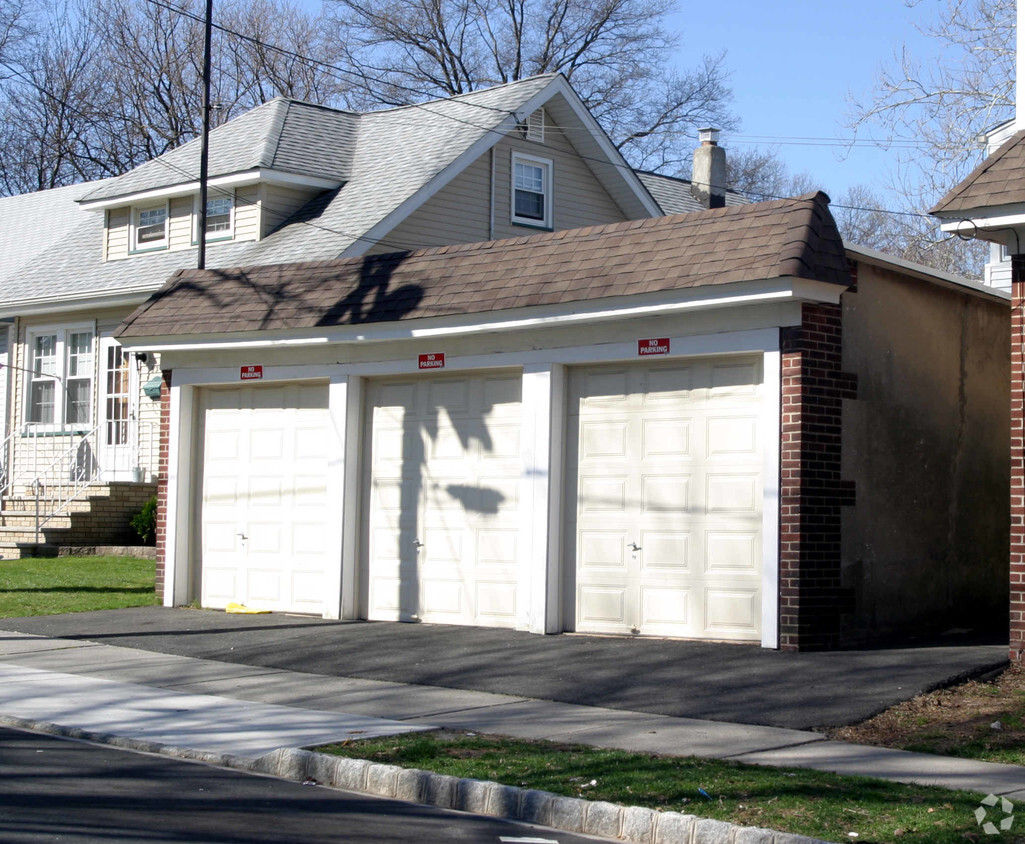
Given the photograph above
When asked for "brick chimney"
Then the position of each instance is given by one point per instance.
(708, 181)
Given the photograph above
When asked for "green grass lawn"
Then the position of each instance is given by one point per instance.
(74, 584)
(807, 802)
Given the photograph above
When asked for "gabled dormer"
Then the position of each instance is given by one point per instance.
(264, 166)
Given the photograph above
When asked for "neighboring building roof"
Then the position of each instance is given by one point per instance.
(674, 196)
(284, 135)
(998, 180)
(781, 239)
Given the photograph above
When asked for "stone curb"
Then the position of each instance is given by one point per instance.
(480, 797)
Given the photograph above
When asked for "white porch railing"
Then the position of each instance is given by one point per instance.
(31, 466)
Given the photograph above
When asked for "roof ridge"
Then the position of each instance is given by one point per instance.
(272, 141)
(983, 166)
(458, 98)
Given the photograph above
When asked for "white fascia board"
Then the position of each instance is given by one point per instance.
(598, 135)
(232, 180)
(1001, 216)
(924, 273)
(569, 313)
(60, 304)
(489, 137)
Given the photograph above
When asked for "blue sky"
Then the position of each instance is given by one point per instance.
(793, 64)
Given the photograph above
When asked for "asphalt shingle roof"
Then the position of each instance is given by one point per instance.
(784, 238)
(673, 195)
(282, 134)
(999, 180)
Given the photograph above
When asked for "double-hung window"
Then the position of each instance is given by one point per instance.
(532, 191)
(151, 227)
(60, 377)
(219, 218)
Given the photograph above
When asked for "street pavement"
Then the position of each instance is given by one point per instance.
(209, 704)
(77, 793)
(701, 680)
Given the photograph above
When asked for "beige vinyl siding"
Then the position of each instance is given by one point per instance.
(116, 234)
(578, 197)
(459, 213)
(179, 227)
(247, 213)
(278, 203)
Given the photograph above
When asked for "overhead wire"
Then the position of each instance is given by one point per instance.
(425, 107)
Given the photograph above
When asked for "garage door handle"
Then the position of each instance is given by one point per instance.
(635, 547)
(417, 544)
(242, 536)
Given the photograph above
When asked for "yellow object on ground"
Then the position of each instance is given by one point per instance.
(242, 609)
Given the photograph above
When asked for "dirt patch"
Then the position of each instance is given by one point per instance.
(981, 720)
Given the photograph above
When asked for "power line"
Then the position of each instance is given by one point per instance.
(423, 107)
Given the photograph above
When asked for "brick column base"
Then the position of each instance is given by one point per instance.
(162, 468)
(811, 490)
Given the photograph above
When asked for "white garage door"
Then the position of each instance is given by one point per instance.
(264, 515)
(442, 512)
(665, 534)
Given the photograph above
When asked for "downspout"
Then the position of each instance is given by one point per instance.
(491, 199)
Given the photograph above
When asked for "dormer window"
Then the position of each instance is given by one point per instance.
(151, 227)
(218, 216)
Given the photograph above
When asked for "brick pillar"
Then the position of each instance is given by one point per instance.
(811, 492)
(162, 470)
(1017, 573)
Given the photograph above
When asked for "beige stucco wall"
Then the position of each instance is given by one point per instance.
(926, 443)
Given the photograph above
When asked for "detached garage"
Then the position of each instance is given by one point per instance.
(691, 426)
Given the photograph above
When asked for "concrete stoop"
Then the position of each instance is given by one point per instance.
(634, 824)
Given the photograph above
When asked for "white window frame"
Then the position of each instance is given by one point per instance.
(213, 237)
(547, 168)
(137, 212)
(60, 395)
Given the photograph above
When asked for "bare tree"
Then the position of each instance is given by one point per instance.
(614, 52)
(761, 174)
(863, 220)
(104, 85)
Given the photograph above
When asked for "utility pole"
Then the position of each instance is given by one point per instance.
(204, 143)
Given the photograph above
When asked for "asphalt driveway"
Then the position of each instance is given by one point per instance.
(718, 682)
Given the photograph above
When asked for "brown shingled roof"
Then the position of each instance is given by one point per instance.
(999, 180)
(790, 237)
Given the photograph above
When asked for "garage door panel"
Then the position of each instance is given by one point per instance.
(734, 379)
(732, 612)
(603, 494)
(731, 436)
(265, 477)
(665, 550)
(733, 551)
(732, 493)
(454, 487)
(662, 494)
(665, 439)
(666, 608)
(497, 547)
(603, 549)
(673, 507)
(603, 606)
(665, 385)
(603, 439)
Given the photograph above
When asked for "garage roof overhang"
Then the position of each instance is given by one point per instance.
(739, 294)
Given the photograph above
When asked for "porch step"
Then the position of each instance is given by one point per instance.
(100, 518)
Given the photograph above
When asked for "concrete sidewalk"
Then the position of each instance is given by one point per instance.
(209, 705)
